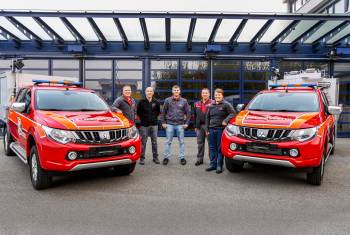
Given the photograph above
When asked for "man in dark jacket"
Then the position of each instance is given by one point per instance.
(200, 110)
(148, 110)
(175, 116)
(126, 103)
(218, 116)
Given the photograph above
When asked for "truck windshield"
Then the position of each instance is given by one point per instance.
(285, 102)
(68, 100)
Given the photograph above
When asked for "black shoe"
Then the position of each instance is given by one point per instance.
(156, 161)
(211, 168)
(219, 170)
(142, 162)
(183, 161)
(165, 161)
(198, 163)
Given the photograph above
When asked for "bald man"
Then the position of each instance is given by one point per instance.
(148, 110)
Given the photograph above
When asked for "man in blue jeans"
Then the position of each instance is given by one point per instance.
(217, 117)
(175, 116)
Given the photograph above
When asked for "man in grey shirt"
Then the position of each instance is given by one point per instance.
(175, 116)
(126, 104)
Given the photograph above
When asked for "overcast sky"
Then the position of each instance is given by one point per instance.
(149, 5)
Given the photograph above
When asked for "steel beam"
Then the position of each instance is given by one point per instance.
(339, 41)
(260, 33)
(8, 35)
(99, 34)
(190, 33)
(168, 33)
(52, 33)
(73, 30)
(331, 33)
(214, 31)
(144, 32)
(23, 29)
(121, 32)
(237, 33)
(198, 15)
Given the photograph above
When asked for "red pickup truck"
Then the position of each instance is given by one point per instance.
(60, 127)
(288, 125)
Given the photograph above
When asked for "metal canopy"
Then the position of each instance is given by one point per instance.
(181, 33)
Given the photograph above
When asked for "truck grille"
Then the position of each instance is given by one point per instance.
(265, 134)
(101, 137)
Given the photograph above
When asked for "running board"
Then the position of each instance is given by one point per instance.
(19, 151)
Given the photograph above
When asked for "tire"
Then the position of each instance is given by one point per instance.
(124, 169)
(40, 178)
(233, 165)
(316, 176)
(7, 141)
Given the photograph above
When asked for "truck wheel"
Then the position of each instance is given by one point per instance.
(233, 165)
(124, 169)
(7, 141)
(40, 178)
(316, 176)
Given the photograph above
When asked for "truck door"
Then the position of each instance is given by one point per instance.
(13, 116)
(24, 121)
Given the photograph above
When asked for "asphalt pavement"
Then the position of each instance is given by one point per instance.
(177, 199)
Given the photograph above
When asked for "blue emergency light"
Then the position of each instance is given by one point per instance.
(54, 82)
(294, 85)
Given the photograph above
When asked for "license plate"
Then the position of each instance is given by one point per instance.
(261, 146)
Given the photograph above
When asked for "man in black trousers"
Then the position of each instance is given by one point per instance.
(148, 111)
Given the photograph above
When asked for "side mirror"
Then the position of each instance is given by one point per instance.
(335, 110)
(240, 107)
(19, 107)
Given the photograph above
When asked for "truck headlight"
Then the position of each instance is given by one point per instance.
(232, 130)
(133, 133)
(304, 134)
(58, 135)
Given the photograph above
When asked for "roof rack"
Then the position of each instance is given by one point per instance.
(54, 82)
(314, 85)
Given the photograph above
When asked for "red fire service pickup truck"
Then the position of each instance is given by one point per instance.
(288, 125)
(60, 127)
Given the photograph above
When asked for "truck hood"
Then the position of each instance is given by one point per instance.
(94, 120)
(289, 120)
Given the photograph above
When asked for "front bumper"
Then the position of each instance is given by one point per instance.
(53, 155)
(310, 152)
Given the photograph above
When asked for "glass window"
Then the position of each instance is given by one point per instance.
(60, 28)
(226, 30)
(163, 64)
(179, 29)
(36, 67)
(256, 65)
(203, 30)
(10, 27)
(66, 68)
(250, 29)
(84, 28)
(302, 27)
(287, 66)
(327, 27)
(163, 77)
(339, 7)
(156, 29)
(5, 64)
(99, 80)
(227, 64)
(66, 73)
(30, 23)
(128, 64)
(276, 27)
(219, 75)
(108, 28)
(132, 29)
(257, 76)
(317, 65)
(344, 32)
(195, 64)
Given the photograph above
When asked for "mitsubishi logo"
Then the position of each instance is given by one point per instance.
(104, 135)
(261, 133)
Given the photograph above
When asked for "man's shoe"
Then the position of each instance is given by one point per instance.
(198, 163)
(211, 168)
(156, 161)
(219, 170)
(165, 161)
(142, 162)
(183, 161)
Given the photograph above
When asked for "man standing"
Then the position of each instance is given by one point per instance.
(200, 110)
(148, 111)
(126, 103)
(176, 116)
(218, 116)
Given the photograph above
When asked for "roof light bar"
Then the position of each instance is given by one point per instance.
(294, 85)
(54, 82)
